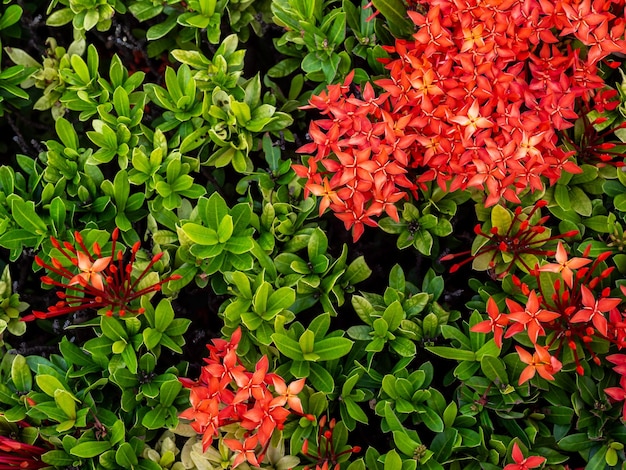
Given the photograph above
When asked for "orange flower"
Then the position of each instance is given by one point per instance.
(288, 394)
(564, 266)
(244, 452)
(90, 271)
(540, 361)
(325, 191)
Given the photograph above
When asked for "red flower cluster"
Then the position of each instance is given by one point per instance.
(475, 100)
(101, 282)
(570, 315)
(226, 393)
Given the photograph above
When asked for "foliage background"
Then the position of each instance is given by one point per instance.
(216, 145)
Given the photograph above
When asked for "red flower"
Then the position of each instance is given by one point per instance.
(618, 394)
(529, 317)
(522, 463)
(593, 310)
(496, 323)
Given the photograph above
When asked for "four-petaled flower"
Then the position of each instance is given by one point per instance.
(541, 362)
(244, 451)
(496, 323)
(472, 121)
(288, 394)
(91, 271)
(521, 462)
(529, 317)
(593, 310)
(564, 266)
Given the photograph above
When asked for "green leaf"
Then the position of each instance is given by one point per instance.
(320, 378)
(449, 414)
(364, 309)
(355, 411)
(393, 315)
(329, 349)
(60, 17)
(11, 15)
(112, 328)
(403, 346)
(452, 353)
(21, 374)
(393, 461)
(501, 218)
(580, 201)
(562, 196)
(169, 391)
(151, 338)
(66, 402)
(404, 443)
(67, 134)
(598, 461)
(58, 458)
(87, 450)
(431, 419)
(155, 418)
(57, 214)
(575, 442)
(130, 357)
(215, 210)
(443, 444)
(318, 243)
(307, 342)
(48, 384)
(121, 190)
(163, 315)
(200, 234)
(288, 346)
(494, 370)
(26, 217)
(125, 456)
(394, 12)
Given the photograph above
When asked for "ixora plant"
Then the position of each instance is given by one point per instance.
(180, 289)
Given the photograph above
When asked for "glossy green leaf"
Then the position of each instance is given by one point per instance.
(90, 449)
(452, 353)
(494, 369)
(48, 384)
(288, 346)
(501, 218)
(329, 349)
(21, 374)
(125, 456)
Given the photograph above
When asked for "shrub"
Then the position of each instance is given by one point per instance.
(176, 295)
